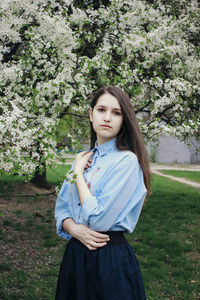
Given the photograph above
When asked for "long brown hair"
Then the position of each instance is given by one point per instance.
(129, 136)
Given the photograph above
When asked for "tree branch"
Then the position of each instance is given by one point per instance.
(76, 115)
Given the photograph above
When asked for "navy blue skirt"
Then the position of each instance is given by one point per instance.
(108, 273)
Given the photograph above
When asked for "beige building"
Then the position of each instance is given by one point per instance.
(168, 149)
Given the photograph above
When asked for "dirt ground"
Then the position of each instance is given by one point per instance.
(23, 216)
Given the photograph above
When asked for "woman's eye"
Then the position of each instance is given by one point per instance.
(101, 109)
(117, 113)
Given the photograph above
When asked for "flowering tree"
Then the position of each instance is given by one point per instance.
(54, 54)
(151, 53)
(37, 83)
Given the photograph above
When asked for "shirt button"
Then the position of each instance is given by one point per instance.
(79, 204)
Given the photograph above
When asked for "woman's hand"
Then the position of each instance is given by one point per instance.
(82, 162)
(88, 237)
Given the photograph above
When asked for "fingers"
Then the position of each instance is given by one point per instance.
(88, 153)
(90, 238)
(82, 161)
(97, 240)
(94, 246)
(85, 154)
(88, 163)
(90, 231)
(90, 247)
(100, 236)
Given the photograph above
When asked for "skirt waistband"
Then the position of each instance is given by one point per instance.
(116, 237)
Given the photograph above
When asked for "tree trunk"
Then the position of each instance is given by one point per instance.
(40, 178)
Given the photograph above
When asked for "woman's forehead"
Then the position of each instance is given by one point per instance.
(108, 100)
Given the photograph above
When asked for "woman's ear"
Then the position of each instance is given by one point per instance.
(91, 110)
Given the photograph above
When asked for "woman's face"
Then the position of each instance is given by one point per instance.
(106, 118)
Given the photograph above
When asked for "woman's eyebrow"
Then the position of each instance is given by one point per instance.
(104, 106)
(117, 109)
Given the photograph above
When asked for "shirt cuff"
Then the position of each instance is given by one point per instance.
(59, 226)
(89, 204)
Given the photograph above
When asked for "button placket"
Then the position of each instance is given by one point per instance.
(94, 159)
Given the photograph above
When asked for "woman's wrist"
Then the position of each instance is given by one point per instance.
(68, 226)
(79, 175)
(78, 172)
(74, 230)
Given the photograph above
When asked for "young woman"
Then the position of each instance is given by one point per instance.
(104, 203)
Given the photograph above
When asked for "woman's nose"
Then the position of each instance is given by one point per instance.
(107, 116)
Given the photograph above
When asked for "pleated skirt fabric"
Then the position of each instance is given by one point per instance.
(108, 273)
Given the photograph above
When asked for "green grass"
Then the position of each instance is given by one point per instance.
(191, 175)
(165, 241)
(54, 176)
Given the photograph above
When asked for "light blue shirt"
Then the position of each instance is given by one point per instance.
(115, 180)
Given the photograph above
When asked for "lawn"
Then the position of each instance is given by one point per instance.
(194, 176)
(54, 176)
(165, 241)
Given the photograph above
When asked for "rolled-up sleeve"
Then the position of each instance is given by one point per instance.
(62, 211)
(120, 192)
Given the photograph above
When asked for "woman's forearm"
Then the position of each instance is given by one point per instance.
(69, 226)
(82, 162)
(82, 188)
(88, 237)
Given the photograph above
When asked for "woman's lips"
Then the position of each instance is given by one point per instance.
(106, 126)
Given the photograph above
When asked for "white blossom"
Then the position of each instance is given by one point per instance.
(143, 49)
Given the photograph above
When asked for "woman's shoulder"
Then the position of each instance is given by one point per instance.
(125, 156)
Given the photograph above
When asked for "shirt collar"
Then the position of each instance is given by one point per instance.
(106, 147)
